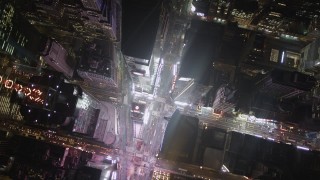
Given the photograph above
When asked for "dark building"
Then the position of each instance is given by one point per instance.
(210, 148)
(216, 11)
(48, 100)
(211, 57)
(255, 157)
(194, 80)
(265, 53)
(84, 19)
(141, 20)
(310, 58)
(180, 138)
(283, 53)
(231, 54)
(35, 158)
(274, 80)
(246, 155)
(97, 65)
(276, 95)
(88, 173)
(201, 7)
(19, 38)
(223, 76)
(75, 28)
(140, 23)
(5, 151)
(202, 42)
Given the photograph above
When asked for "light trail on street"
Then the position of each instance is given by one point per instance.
(50, 136)
(246, 127)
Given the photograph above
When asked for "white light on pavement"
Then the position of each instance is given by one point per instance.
(303, 148)
(193, 9)
(271, 139)
(181, 103)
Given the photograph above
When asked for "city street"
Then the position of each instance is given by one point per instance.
(192, 171)
(268, 130)
(57, 138)
(128, 94)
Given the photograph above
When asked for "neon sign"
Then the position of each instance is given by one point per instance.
(33, 94)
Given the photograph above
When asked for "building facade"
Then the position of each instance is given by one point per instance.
(17, 39)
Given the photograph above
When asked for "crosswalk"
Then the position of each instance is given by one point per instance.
(5, 108)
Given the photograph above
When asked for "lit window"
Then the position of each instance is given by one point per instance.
(274, 55)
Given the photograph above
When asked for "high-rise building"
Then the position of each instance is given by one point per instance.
(214, 11)
(75, 27)
(202, 41)
(47, 100)
(244, 12)
(185, 129)
(219, 65)
(269, 52)
(310, 65)
(17, 38)
(310, 58)
(193, 149)
(56, 57)
(280, 88)
(89, 18)
(97, 65)
(42, 159)
(95, 119)
(200, 51)
(139, 37)
(265, 58)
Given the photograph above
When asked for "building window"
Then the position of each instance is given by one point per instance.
(292, 59)
(274, 56)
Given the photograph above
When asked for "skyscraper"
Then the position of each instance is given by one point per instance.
(17, 38)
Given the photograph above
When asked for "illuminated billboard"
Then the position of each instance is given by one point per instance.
(137, 111)
(33, 94)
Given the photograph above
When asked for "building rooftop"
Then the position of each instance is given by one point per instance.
(140, 26)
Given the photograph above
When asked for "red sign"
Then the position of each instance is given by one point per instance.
(32, 93)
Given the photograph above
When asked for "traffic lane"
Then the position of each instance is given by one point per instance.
(266, 125)
(238, 126)
(173, 167)
(54, 138)
(233, 122)
(260, 128)
(158, 142)
(152, 139)
(256, 130)
(154, 136)
(153, 123)
(129, 124)
(149, 130)
(166, 81)
(123, 116)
